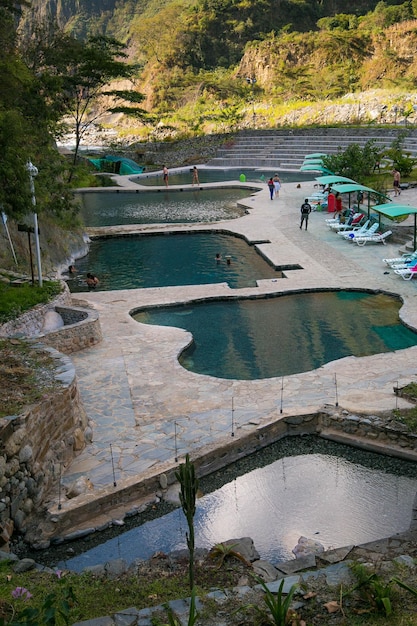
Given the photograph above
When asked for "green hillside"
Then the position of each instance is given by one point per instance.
(192, 57)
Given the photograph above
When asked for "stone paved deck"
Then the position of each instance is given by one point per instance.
(139, 397)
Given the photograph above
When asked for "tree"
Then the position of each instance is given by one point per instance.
(401, 160)
(354, 162)
(17, 134)
(74, 77)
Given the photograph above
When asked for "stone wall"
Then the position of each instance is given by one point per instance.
(31, 322)
(369, 432)
(81, 330)
(35, 445)
(58, 324)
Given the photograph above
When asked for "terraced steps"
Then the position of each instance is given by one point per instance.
(287, 149)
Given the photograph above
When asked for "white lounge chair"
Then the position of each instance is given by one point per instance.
(367, 232)
(362, 229)
(407, 274)
(349, 225)
(403, 266)
(404, 258)
(376, 238)
(336, 220)
(358, 230)
(331, 220)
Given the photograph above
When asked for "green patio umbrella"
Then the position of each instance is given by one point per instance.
(315, 155)
(315, 168)
(355, 187)
(329, 180)
(393, 210)
(312, 162)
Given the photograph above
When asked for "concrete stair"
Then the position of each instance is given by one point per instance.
(287, 149)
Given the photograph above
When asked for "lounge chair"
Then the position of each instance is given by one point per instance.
(363, 232)
(356, 222)
(375, 238)
(403, 266)
(404, 258)
(407, 274)
(355, 229)
(336, 220)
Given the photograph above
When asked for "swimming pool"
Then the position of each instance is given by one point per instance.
(207, 175)
(249, 339)
(331, 493)
(171, 259)
(109, 208)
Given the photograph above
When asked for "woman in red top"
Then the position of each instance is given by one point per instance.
(338, 205)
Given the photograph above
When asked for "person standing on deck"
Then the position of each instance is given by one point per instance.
(277, 185)
(165, 175)
(271, 187)
(305, 212)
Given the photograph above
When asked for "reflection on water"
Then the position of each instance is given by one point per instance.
(319, 496)
(285, 335)
(177, 259)
(171, 206)
(207, 175)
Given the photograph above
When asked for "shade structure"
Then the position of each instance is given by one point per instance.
(352, 187)
(312, 162)
(393, 210)
(315, 155)
(315, 168)
(329, 180)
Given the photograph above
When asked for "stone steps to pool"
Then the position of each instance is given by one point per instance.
(280, 150)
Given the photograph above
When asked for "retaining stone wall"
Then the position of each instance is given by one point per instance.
(81, 326)
(33, 446)
(370, 433)
(81, 330)
(31, 322)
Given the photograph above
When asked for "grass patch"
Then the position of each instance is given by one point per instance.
(411, 390)
(16, 300)
(152, 584)
(26, 375)
(160, 580)
(408, 417)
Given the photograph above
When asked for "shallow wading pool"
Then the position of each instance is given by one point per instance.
(309, 487)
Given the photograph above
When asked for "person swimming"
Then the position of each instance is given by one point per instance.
(92, 281)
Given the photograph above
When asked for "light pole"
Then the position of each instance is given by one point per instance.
(33, 171)
(251, 80)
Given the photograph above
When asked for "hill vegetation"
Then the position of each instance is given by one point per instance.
(192, 58)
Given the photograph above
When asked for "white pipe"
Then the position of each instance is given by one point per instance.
(6, 228)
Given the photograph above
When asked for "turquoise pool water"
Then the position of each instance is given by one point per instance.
(185, 176)
(151, 207)
(278, 336)
(171, 259)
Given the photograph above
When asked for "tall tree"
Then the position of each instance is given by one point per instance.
(75, 78)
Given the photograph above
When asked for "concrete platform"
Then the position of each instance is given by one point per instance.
(147, 410)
